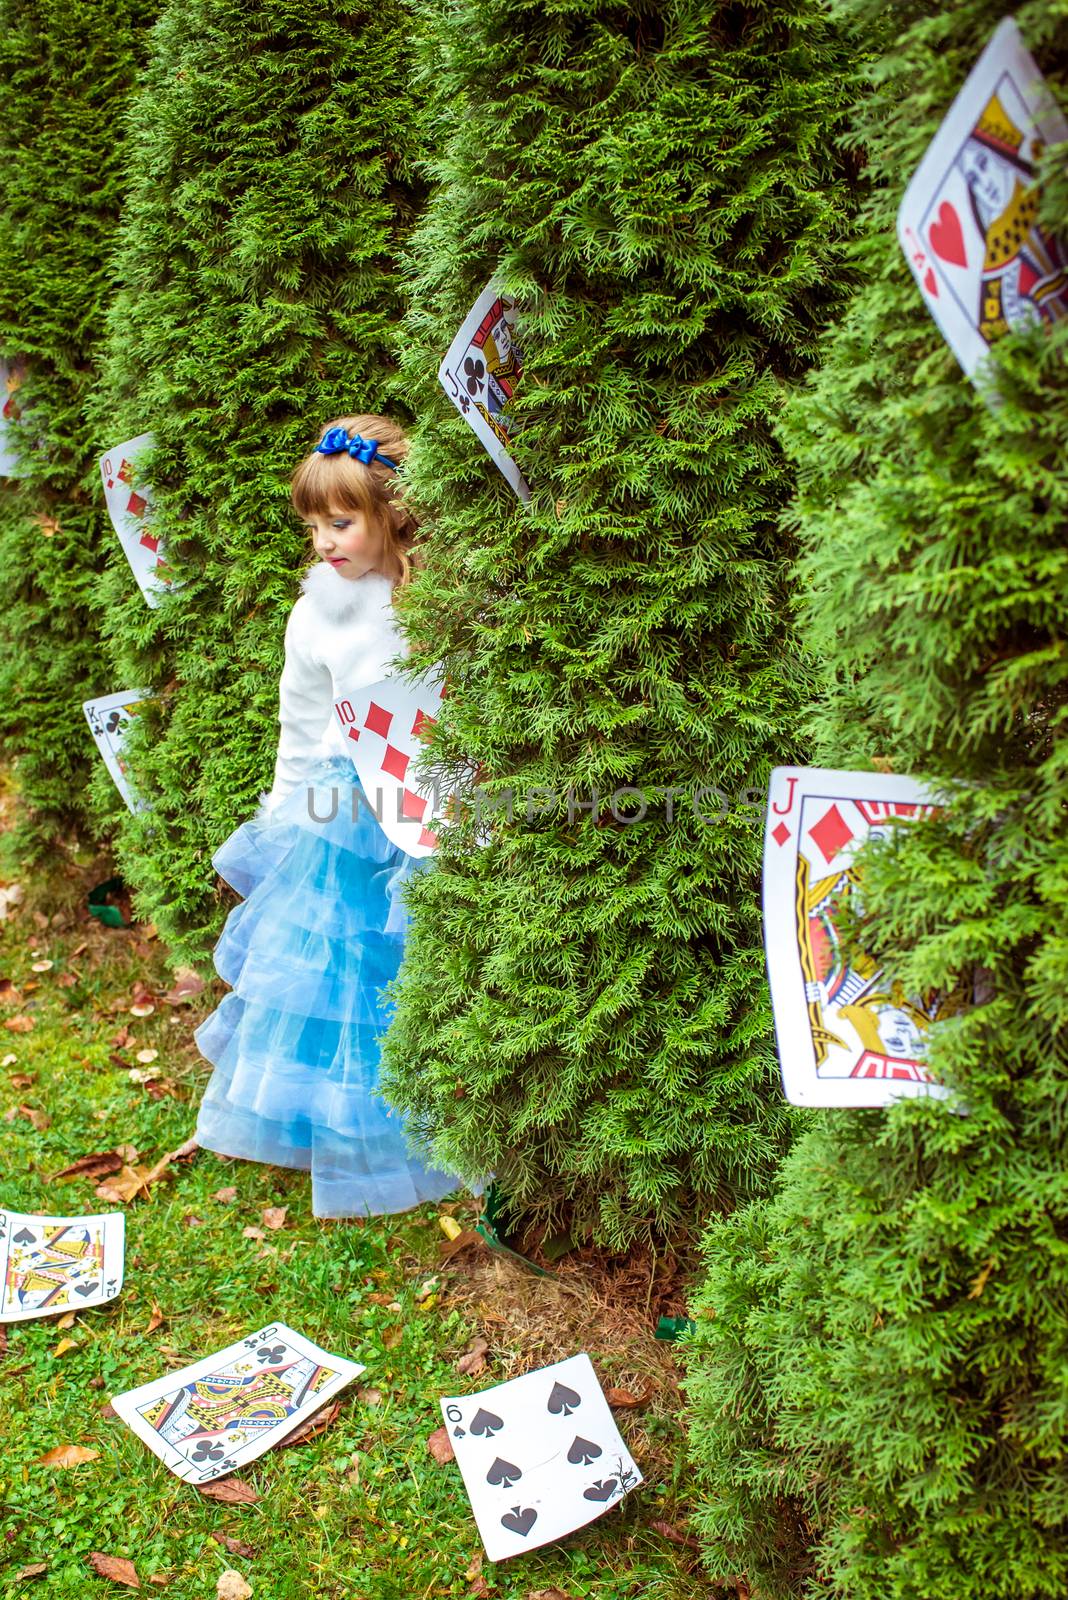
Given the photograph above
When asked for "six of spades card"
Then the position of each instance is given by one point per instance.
(540, 1456)
(56, 1264)
(968, 223)
(847, 1035)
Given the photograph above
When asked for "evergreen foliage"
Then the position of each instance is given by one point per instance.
(64, 75)
(271, 190)
(878, 1380)
(583, 1006)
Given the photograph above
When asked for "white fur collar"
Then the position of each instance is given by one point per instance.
(338, 598)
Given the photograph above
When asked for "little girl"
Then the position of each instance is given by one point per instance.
(295, 1045)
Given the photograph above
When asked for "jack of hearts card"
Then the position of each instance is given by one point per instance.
(208, 1419)
(847, 1035)
(49, 1265)
(968, 223)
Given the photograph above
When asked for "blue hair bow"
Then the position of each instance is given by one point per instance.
(335, 440)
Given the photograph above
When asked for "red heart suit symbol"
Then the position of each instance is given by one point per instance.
(947, 237)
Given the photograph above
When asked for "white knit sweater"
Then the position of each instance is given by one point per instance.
(342, 633)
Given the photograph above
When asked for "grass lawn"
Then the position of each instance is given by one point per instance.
(362, 1510)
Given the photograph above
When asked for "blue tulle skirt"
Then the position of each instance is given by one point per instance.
(296, 1044)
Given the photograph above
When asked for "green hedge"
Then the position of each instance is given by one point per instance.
(878, 1381)
(271, 189)
(65, 74)
(583, 1006)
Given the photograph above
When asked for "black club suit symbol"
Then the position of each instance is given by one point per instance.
(208, 1451)
(474, 374)
(271, 1353)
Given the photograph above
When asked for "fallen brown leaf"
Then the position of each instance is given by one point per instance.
(23, 1080)
(155, 1318)
(236, 1547)
(37, 1569)
(224, 1196)
(478, 1584)
(187, 986)
(231, 1491)
(67, 980)
(547, 1594)
(122, 1039)
(253, 1233)
(95, 1166)
(67, 1455)
(677, 1535)
(317, 1423)
(64, 1345)
(66, 1321)
(463, 1240)
(130, 1182)
(232, 1586)
(473, 1361)
(274, 1216)
(369, 1397)
(19, 1024)
(117, 1569)
(39, 1119)
(440, 1446)
(160, 1579)
(392, 1336)
(623, 1400)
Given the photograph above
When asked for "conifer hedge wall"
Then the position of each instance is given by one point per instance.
(583, 1006)
(270, 193)
(65, 75)
(879, 1378)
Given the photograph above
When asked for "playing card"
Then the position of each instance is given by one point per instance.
(540, 1456)
(108, 719)
(479, 374)
(11, 375)
(382, 723)
(129, 502)
(847, 1034)
(968, 222)
(219, 1414)
(55, 1264)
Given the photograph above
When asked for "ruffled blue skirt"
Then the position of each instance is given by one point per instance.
(296, 1044)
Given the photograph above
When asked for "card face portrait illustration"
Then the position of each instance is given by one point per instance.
(968, 223)
(56, 1264)
(846, 1033)
(540, 1456)
(209, 1419)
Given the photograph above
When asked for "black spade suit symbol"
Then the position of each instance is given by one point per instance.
(519, 1521)
(602, 1490)
(503, 1473)
(582, 1452)
(563, 1400)
(484, 1422)
(85, 1288)
(25, 1236)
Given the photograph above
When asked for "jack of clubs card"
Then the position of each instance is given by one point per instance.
(480, 373)
(847, 1035)
(208, 1419)
(57, 1264)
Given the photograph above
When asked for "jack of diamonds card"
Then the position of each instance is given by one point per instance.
(540, 1456)
(383, 726)
(108, 718)
(847, 1035)
(210, 1418)
(480, 373)
(968, 223)
(54, 1264)
(129, 503)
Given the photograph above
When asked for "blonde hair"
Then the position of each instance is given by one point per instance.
(323, 483)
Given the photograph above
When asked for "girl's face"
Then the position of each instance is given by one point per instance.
(349, 540)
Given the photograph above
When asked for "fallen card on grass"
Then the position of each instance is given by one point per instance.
(383, 723)
(480, 373)
(108, 718)
(540, 1456)
(208, 1419)
(56, 1264)
(968, 223)
(129, 503)
(847, 1035)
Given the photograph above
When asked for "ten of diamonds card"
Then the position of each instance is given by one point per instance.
(968, 223)
(56, 1264)
(847, 1035)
